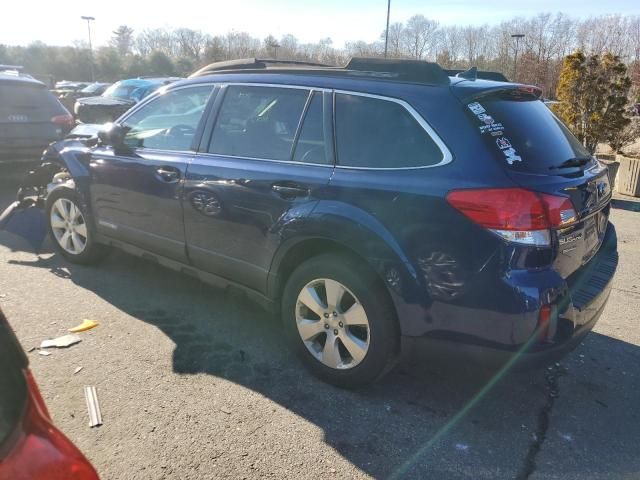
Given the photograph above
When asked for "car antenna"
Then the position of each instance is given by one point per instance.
(471, 74)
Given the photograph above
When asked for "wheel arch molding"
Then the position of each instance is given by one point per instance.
(345, 229)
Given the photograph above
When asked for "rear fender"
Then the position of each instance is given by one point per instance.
(356, 231)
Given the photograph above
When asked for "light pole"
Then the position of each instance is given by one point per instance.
(386, 34)
(275, 46)
(89, 20)
(517, 36)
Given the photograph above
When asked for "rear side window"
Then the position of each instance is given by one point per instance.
(524, 134)
(258, 122)
(27, 103)
(377, 133)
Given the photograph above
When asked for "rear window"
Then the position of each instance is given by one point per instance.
(27, 103)
(377, 133)
(524, 134)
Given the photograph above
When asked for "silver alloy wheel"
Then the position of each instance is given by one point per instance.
(332, 324)
(68, 226)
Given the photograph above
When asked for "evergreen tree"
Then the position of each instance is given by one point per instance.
(593, 93)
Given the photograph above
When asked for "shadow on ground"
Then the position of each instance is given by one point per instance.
(424, 418)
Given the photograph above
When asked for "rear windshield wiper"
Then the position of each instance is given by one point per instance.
(572, 162)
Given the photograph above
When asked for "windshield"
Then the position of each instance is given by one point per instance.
(525, 134)
(127, 92)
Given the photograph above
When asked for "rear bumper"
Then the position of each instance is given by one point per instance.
(582, 300)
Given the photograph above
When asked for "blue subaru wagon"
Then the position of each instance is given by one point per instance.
(371, 206)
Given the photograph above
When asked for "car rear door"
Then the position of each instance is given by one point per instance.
(136, 194)
(265, 159)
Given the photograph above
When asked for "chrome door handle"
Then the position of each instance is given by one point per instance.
(290, 191)
(168, 174)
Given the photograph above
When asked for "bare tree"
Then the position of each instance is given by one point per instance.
(190, 43)
(418, 36)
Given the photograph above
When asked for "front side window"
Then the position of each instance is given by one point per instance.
(168, 122)
(258, 122)
(377, 133)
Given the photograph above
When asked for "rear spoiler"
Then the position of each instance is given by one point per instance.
(517, 91)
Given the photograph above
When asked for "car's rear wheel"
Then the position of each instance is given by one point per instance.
(340, 320)
(71, 229)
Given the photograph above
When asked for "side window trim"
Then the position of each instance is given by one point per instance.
(328, 127)
(296, 135)
(447, 157)
(197, 137)
(212, 118)
(201, 123)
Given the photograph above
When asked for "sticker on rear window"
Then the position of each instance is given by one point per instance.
(512, 156)
(489, 124)
(503, 143)
(487, 119)
(496, 129)
(476, 108)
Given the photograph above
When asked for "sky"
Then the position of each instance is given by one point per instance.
(59, 23)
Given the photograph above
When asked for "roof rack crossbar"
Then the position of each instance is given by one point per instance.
(417, 71)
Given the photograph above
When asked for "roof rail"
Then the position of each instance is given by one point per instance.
(251, 63)
(415, 71)
(407, 70)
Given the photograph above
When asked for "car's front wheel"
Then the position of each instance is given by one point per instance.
(70, 228)
(340, 320)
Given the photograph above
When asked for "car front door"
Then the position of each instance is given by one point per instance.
(136, 193)
(265, 161)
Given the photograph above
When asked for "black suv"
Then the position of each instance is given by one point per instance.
(370, 204)
(31, 117)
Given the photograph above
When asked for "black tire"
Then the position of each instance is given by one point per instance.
(384, 338)
(93, 251)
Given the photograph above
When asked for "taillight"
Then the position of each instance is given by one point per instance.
(547, 324)
(40, 451)
(65, 120)
(515, 214)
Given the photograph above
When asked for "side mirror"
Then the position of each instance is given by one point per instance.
(113, 134)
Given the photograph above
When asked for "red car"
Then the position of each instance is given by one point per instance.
(31, 447)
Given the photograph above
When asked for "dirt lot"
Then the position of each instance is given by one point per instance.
(196, 384)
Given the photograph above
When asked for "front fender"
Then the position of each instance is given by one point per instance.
(73, 154)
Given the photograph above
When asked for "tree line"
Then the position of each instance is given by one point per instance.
(548, 39)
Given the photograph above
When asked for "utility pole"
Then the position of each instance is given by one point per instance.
(89, 20)
(386, 35)
(517, 36)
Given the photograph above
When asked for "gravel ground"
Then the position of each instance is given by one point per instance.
(195, 383)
